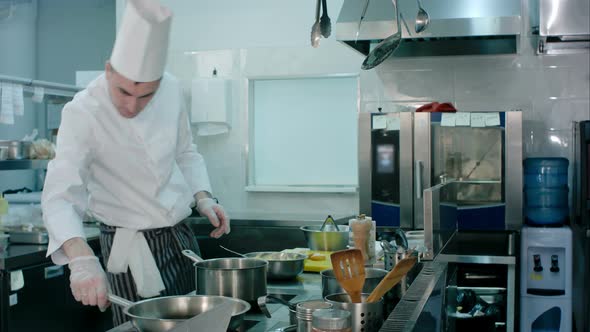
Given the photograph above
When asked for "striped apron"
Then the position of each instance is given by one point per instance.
(166, 245)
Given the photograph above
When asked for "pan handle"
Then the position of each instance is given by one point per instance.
(119, 300)
(192, 256)
(262, 305)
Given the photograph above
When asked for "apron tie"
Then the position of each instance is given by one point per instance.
(130, 250)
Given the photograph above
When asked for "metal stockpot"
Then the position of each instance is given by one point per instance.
(164, 313)
(242, 278)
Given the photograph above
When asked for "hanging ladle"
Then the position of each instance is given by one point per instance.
(422, 19)
(385, 48)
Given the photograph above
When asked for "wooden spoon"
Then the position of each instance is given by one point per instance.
(394, 276)
(349, 270)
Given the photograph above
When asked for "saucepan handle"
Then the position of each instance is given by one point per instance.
(119, 300)
(192, 256)
(262, 305)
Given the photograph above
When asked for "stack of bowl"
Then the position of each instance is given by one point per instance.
(546, 191)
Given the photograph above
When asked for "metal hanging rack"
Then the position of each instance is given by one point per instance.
(54, 93)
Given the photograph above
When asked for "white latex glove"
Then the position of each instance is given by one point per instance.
(88, 281)
(216, 215)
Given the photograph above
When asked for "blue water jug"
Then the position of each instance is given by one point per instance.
(545, 172)
(546, 191)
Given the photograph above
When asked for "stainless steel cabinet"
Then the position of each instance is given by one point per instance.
(45, 302)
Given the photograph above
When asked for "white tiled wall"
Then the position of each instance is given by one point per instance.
(551, 90)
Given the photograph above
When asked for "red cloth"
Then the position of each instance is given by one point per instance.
(437, 107)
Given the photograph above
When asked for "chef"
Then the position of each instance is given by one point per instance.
(125, 157)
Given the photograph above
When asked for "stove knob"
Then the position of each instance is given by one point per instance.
(554, 264)
(537, 262)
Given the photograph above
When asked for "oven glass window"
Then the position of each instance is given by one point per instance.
(385, 159)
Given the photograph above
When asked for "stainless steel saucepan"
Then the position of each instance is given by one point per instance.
(164, 313)
(242, 278)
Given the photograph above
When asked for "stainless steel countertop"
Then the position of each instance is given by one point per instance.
(307, 286)
(480, 247)
(18, 255)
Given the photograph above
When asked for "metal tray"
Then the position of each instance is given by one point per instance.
(35, 237)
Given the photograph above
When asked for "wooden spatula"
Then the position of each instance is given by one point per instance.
(394, 276)
(349, 270)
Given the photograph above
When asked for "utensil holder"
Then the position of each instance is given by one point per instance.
(366, 317)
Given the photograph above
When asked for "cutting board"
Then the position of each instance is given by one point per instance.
(314, 265)
(311, 265)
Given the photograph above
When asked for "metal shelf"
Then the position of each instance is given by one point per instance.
(54, 92)
(8, 165)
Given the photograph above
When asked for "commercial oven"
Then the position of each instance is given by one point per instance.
(401, 154)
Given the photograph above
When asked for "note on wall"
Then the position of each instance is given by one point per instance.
(379, 121)
(18, 100)
(492, 119)
(392, 123)
(6, 106)
(462, 119)
(478, 120)
(448, 120)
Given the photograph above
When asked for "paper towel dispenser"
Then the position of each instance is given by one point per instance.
(457, 27)
(210, 106)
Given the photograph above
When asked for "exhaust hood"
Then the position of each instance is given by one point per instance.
(457, 27)
(564, 26)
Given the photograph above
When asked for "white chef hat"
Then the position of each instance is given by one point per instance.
(141, 47)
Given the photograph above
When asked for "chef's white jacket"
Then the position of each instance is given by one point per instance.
(137, 173)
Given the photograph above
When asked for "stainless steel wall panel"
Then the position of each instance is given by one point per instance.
(364, 163)
(513, 182)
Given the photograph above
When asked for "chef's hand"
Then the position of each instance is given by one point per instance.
(216, 215)
(88, 281)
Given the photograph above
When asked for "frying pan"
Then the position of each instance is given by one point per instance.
(164, 313)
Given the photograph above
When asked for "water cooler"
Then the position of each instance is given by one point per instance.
(546, 279)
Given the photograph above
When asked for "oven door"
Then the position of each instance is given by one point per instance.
(385, 168)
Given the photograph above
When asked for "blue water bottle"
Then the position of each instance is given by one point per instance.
(546, 191)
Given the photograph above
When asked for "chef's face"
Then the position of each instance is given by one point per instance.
(129, 97)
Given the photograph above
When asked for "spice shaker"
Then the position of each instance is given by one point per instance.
(331, 320)
(305, 312)
(362, 234)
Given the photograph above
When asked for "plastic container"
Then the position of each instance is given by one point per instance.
(545, 172)
(363, 227)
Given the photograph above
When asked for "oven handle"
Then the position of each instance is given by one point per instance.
(418, 175)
